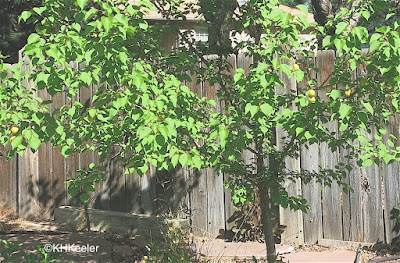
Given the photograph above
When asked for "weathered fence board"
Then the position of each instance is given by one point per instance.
(36, 181)
(391, 183)
(58, 162)
(293, 220)
(372, 202)
(8, 180)
(198, 193)
(309, 161)
(45, 171)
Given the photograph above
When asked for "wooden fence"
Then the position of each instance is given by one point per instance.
(34, 183)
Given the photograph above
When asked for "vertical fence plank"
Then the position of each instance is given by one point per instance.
(309, 161)
(331, 196)
(85, 97)
(27, 169)
(45, 172)
(351, 202)
(58, 162)
(8, 179)
(293, 220)
(312, 220)
(132, 188)
(198, 184)
(239, 61)
(28, 184)
(86, 158)
(244, 62)
(99, 187)
(72, 163)
(148, 191)
(117, 177)
(391, 182)
(215, 183)
(372, 201)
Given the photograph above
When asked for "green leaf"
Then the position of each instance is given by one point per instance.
(299, 75)
(89, 14)
(343, 126)
(344, 110)
(143, 25)
(367, 162)
(196, 162)
(73, 190)
(160, 140)
(302, 8)
(326, 42)
(360, 32)
(390, 143)
(375, 42)
(33, 38)
(339, 43)
(183, 159)
(143, 132)
(299, 130)
(368, 107)
(253, 109)
(86, 77)
(382, 131)
(24, 16)
(223, 133)
(84, 197)
(34, 143)
(39, 10)
(267, 109)
(107, 23)
(340, 27)
(366, 14)
(335, 94)
(175, 160)
(16, 142)
(82, 3)
(143, 169)
(388, 158)
(66, 151)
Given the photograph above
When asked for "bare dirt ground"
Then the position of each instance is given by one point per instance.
(35, 231)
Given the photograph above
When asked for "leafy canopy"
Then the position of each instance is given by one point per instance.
(141, 105)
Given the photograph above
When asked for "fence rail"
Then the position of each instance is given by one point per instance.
(34, 183)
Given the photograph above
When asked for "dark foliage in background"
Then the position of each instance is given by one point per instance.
(13, 35)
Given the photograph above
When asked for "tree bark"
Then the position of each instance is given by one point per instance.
(266, 204)
(322, 9)
(266, 217)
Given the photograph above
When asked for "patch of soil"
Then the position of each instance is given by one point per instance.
(35, 232)
(379, 251)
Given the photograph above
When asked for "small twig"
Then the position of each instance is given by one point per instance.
(252, 150)
(359, 250)
(384, 259)
(118, 153)
(244, 220)
(87, 217)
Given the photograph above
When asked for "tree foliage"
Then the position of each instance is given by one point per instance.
(142, 107)
(13, 35)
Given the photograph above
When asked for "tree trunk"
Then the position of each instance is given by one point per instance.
(267, 224)
(266, 204)
(322, 9)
